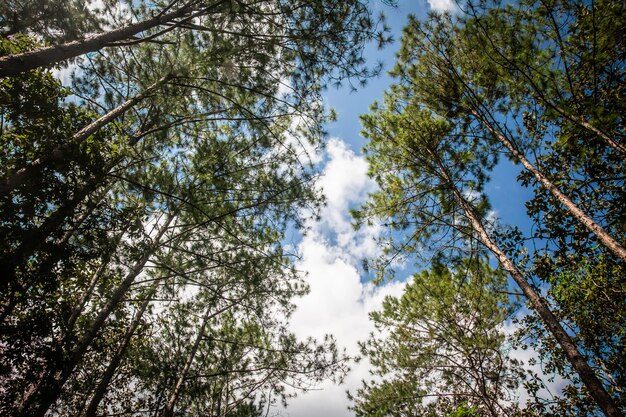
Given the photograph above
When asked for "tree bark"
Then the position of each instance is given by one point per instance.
(540, 93)
(33, 242)
(580, 121)
(602, 235)
(12, 65)
(168, 411)
(82, 301)
(45, 392)
(86, 212)
(58, 154)
(103, 385)
(580, 365)
(38, 237)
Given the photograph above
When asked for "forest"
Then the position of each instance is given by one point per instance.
(159, 158)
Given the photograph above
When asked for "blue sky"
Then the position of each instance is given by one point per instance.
(506, 195)
(349, 105)
(341, 296)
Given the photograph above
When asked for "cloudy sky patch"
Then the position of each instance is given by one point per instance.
(339, 301)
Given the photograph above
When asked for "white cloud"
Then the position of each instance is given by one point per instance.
(552, 387)
(64, 74)
(338, 302)
(112, 15)
(69, 68)
(443, 5)
(346, 184)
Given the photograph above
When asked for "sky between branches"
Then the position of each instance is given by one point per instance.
(341, 295)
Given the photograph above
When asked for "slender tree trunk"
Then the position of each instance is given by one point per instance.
(44, 393)
(54, 221)
(33, 242)
(82, 301)
(602, 235)
(59, 153)
(38, 237)
(103, 385)
(12, 65)
(168, 411)
(84, 215)
(580, 121)
(541, 94)
(580, 365)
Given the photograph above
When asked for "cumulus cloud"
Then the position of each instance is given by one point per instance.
(64, 74)
(346, 184)
(442, 5)
(339, 301)
(553, 385)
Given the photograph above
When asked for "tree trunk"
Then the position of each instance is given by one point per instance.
(12, 65)
(34, 240)
(168, 411)
(541, 94)
(32, 243)
(580, 121)
(84, 215)
(59, 153)
(103, 385)
(82, 301)
(602, 235)
(580, 365)
(44, 393)
(38, 237)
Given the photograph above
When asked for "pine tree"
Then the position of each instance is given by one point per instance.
(439, 348)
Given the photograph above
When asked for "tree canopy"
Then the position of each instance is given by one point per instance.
(144, 205)
(439, 349)
(534, 93)
(156, 154)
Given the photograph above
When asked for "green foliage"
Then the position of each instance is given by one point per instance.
(42, 270)
(541, 83)
(568, 85)
(52, 20)
(440, 350)
(464, 410)
(147, 268)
